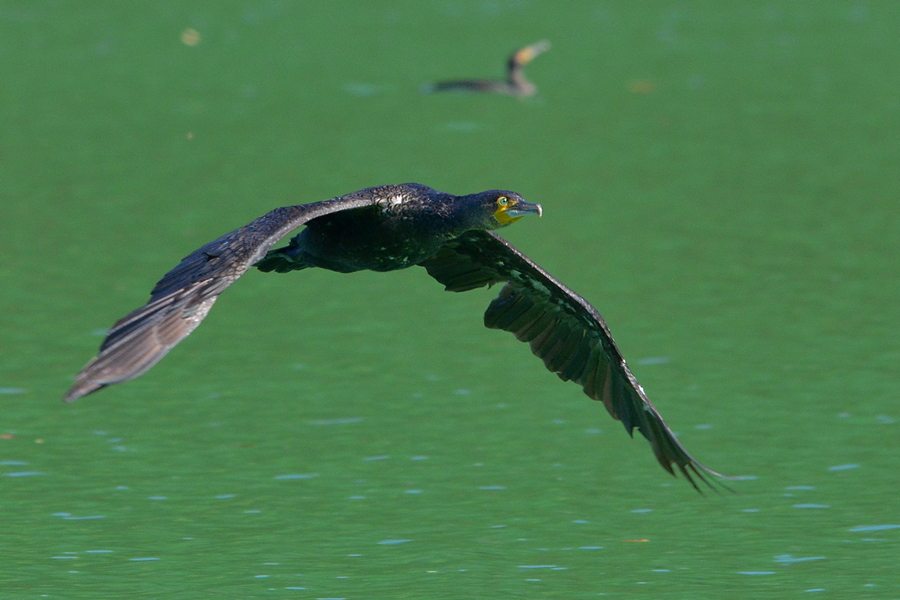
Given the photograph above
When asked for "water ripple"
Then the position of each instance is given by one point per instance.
(392, 542)
(788, 559)
(873, 528)
(846, 467)
(343, 421)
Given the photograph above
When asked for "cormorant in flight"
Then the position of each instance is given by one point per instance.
(515, 83)
(384, 229)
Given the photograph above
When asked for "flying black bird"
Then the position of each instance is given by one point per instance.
(384, 229)
(515, 83)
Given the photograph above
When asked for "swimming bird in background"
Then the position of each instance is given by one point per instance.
(515, 83)
(384, 229)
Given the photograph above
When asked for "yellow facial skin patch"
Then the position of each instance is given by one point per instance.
(503, 204)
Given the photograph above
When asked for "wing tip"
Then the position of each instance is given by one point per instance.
(692, 470)
(82, 388)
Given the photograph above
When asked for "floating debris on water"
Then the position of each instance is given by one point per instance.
(379, 457)
(13, 463)
(297, 476)
(756, 572)
(642, 510)
(23, 474)
(492, 487)
(225, 496)
(190, 37)
(143, 559)
(812, 506)
(12, 390)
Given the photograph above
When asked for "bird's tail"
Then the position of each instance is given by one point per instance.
(282, 260)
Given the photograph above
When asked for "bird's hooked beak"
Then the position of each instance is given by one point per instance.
(513, 211)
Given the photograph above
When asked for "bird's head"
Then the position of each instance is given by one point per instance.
(525, 55)
(499, 208)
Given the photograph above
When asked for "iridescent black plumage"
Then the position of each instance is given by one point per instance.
(388, 228)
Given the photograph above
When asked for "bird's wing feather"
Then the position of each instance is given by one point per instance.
(184, 296)
(563, 329)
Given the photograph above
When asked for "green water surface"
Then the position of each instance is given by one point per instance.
(719, 179)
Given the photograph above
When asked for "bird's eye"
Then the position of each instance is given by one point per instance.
(502, 201)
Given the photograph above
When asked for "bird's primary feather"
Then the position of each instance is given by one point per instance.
(563, 329)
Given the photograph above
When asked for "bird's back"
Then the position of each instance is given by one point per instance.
(404, 225)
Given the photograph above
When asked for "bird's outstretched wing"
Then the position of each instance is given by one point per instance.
(183, 297)
(564, 330)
